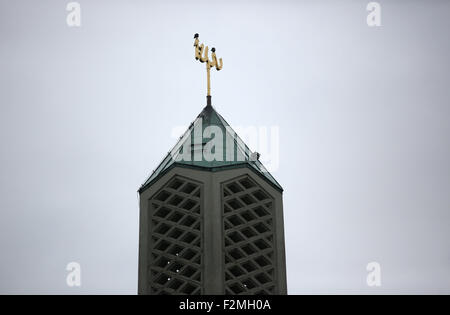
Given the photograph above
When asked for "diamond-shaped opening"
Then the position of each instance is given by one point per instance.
(162, 196)
(247, 183)
(175, 217)
(188, 188)
(260, 211)
(162, 245)
(236, 288)
(197, 193)
(188, 205)
(227, 225)
(260, 195)
(175, 267)
(226, 193)
(262, 278)
(162, 262)
(189, 237)
(197, 259)
(236, 254)
(235, 220)
(249, 266)
(175, 250)
(175, 284)
(248, 232)
(162, 279)
(188, 254)
(234, 204)
(196, 209)
(162, 228)
(162, 212)
(249, 283)
(262, 261)
(227, 208)
(247, 215)
(197, 226)
(261, 244)
(175, 183)
(188, 288)
(175, 233)
(188, 221)
(247, 199)
(188, 271)
(234, 188)
(261, 228)
(197, 277)
(155, 238)
(237, 271)
(236, 237)
(248, 249)
(175, 200)
(228, 276)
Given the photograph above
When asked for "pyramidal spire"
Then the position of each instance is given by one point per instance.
(210, 143)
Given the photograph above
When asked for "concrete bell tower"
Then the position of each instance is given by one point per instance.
(211, 217)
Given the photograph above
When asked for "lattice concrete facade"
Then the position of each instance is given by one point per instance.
(211, 232)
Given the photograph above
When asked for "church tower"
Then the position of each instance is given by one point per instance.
(211, 215)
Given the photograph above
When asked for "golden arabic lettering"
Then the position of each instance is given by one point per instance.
(202, 54)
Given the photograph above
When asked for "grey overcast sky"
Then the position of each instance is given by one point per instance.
(363, 112)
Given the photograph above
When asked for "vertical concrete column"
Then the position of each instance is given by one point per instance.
(143, 246)
(280, 247)
(213, 238)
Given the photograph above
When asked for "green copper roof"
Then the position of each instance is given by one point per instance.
(231, 152)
